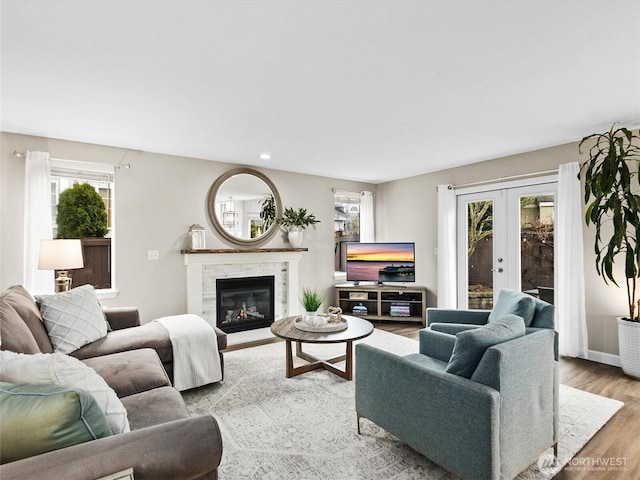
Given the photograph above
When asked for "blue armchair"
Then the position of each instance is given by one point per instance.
(489, 421)
(537, 315)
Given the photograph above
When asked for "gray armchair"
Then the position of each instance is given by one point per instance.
(491, 425)
(537, 314)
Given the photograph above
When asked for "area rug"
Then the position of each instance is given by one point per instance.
(304, 428)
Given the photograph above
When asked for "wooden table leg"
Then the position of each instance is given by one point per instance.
(289, 360)
(316, 363)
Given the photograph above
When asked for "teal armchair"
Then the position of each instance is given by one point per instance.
(490, 422)
(537, 315)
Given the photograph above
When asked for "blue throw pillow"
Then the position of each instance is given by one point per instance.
(41, 418)
(513, 302)
(471, 344)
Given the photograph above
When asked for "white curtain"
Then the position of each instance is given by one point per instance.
(367, 226)
(570, 296)
(37, 221)
(446, 247)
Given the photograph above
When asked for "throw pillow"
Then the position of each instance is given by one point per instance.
(72, 319)
(513, 302)
(65, 371)
(40, 418)
(471, 344)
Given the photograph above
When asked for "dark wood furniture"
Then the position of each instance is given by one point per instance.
(285, 329)
(384, 302)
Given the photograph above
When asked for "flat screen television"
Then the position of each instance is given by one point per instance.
(381, 262)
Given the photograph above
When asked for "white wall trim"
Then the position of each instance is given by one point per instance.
(606, 358)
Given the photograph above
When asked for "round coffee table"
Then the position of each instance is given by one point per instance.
(357, 328)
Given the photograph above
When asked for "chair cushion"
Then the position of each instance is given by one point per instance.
(41, 418)
(471, 344)
(130, 372)
(72, 319)
(513, 302)
(64, 371)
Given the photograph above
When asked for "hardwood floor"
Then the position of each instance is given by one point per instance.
(618, 443)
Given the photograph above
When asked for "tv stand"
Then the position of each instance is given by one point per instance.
(384, 302)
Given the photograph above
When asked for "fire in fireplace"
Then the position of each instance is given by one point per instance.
(244, 303)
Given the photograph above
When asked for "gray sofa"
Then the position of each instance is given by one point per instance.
(165, 442)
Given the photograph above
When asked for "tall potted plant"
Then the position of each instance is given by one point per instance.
(294, 222)
(612, 196)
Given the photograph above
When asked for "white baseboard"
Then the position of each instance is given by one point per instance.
(606, 358)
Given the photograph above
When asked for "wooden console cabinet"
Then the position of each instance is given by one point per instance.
(383, 302)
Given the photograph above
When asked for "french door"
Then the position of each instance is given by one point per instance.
(505, 240)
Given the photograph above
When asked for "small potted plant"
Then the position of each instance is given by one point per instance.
(611, 186)
(311, 301)
(294, 222)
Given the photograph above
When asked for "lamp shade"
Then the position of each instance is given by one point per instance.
(60, 254)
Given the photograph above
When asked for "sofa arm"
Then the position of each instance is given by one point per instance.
(452, 328)
(122, 317)
(443, 315)
(179, 450)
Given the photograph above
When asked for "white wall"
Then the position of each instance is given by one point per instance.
(157, 199)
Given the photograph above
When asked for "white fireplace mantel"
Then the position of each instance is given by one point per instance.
(283, 263)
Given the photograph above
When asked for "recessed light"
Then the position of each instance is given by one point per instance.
(265, 156)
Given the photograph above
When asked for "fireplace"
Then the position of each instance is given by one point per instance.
(244, 303)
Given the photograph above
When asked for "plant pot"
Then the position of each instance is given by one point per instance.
(629, 344)
(313, 319)
(295, 236)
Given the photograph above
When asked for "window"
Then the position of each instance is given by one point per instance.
(347, 224)
(98, 253)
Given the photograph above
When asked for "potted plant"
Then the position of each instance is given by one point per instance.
(311, 301)
(294, 222)
(611, 186)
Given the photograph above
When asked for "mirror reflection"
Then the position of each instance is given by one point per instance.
(243, 205)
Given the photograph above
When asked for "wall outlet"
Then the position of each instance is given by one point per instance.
(153, 255)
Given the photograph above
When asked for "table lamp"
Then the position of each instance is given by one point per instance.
(60, 255)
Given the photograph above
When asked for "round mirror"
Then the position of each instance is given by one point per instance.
(243, 206)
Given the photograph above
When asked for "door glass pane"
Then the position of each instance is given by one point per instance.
(536, 245)
(480, 254)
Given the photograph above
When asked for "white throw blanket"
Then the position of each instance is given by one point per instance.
(195, 351)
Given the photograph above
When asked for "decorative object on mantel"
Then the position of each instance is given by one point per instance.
(611, 183)
(196, 237)
(294, 222)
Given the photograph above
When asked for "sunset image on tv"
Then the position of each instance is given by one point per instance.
(380, 262)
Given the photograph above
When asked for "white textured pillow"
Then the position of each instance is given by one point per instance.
(65, 371)
(72, 319)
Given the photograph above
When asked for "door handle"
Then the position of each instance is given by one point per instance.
(499, 270)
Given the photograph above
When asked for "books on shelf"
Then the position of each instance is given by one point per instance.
(359, 309)
(400, 309)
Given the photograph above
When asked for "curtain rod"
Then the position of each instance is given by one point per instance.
(503, 179)
(120, 164)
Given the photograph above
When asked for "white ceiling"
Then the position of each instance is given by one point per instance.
(363, 90)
